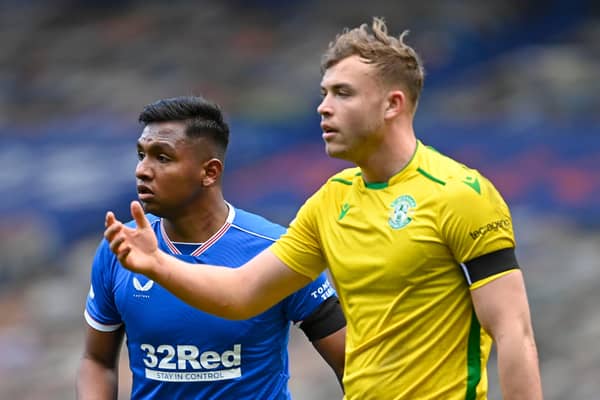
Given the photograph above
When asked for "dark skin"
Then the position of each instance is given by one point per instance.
(97, 377)
(179, 179)
(184, 179)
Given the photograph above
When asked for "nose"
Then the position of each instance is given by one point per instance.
(324, 108)
(142, 170)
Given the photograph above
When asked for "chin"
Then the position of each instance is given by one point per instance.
(336, 153)
(149, 207)
(159, 210)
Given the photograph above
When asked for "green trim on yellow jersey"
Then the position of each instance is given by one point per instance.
(383, 185)
(376, 185)
(473, 358)
(340, 180)
(429, 176)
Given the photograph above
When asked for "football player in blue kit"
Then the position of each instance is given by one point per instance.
(175, 350)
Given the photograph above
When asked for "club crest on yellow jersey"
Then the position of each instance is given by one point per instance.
(401, 211)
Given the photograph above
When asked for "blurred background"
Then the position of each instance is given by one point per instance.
(512, 89)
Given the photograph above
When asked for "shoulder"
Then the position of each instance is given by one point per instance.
(256, 225)
(461, 194)
(338, 183)
(334, 188)
(344, 177)
(453, 179)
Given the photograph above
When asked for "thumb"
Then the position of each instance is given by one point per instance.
(137, 212)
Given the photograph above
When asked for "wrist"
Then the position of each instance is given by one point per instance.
(157, 264)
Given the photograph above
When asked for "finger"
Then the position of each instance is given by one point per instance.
(116, 243)
(113, 230)
(137, 212)
(109, 219)
(122, 255)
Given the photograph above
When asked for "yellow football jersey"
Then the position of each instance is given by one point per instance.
(403, 255)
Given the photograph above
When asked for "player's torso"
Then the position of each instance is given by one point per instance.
(169, 341)
(385, 242)
(406, 299)
(191, 354)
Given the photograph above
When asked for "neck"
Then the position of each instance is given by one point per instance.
(391, 156)
(200, 224)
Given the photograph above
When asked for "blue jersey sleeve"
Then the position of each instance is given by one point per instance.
(305, 301)
(100, 310)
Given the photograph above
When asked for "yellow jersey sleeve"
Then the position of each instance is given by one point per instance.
(475, 220)
(299, 248)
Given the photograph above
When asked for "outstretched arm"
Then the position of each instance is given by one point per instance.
(503, 311)
(226, 292)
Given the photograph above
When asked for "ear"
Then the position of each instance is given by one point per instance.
(396, 104)
(213, 169)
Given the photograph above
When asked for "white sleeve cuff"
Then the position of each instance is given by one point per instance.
(98, 326)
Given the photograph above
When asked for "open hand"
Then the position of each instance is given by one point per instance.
(136, 248)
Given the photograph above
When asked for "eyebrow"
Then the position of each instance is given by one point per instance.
(156, 146)
(338, 86)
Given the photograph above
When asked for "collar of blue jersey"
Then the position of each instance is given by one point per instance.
(202, 247)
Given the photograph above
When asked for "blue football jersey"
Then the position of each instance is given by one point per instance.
(179, 352)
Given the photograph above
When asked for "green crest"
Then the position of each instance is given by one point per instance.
(401, 211)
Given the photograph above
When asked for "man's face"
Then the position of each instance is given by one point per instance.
(352, 110)
(169, 171)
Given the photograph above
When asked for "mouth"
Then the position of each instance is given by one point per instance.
(144, 192)
(328, 131)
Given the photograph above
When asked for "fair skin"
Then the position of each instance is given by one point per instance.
(178, 178)
(364, 123)
(503, 311)
(370, 124)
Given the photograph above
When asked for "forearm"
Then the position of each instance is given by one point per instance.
(209, 288)
(96, 382)
(518, 368)
(233, 293)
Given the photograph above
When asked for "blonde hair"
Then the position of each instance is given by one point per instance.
(395, 61)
